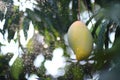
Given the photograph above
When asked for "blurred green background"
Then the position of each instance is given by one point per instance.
(29, 28)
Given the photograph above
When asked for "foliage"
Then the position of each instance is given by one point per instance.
(52, 18)
(16, 68)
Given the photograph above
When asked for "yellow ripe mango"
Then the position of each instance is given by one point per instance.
(80, 40)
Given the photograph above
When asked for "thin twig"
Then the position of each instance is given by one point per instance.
(79, 10)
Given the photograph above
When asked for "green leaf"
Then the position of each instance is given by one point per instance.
(101, 34)
(1, 15)
(17, 68)
(30, 46)
(117, 34)
(11, 32)
(96, 26)
(8, 1)
(26, 26)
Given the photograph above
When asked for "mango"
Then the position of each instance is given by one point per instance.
(80, 40)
